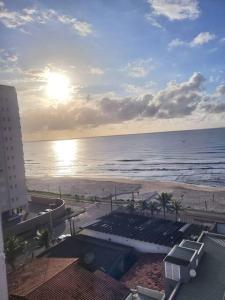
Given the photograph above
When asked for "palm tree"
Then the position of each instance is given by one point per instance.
(153, 206)
(131, 205)
(144, 206)
(13, 248)
(176, 206)
(43, 237)
(164, 199)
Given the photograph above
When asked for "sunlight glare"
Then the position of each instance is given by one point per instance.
(58, 86)
(65, 152)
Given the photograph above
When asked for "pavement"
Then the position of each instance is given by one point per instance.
(93, 211)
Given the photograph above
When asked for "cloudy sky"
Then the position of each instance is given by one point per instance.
(102, 67)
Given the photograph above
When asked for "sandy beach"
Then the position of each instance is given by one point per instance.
(196, 197)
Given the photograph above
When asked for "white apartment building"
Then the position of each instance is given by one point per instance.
(13, 193)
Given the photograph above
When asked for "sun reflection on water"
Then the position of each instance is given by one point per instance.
(65, 153)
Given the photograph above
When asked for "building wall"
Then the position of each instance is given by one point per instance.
(3, 278)
(140, 246)
(12, 172)
(31, 225)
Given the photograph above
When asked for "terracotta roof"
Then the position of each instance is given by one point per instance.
(74, 282)
(148, 272)
(34, 274)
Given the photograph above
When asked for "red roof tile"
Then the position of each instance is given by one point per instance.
(32, 275)
(74, 282)
(147, 272)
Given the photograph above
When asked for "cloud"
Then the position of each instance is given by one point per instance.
(202, 38)
(199, 40)
(153, 21)
(7, 56)
(176, 100)
(139, 68)
(18, 19)
(97, 71)
(176, 9)
(221, 89)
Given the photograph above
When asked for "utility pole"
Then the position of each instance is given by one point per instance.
(60, 194)
(111, 202)
(115, 194)
(51, 223)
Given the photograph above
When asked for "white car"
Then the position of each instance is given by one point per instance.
(62, 237)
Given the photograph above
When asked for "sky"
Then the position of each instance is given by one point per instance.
(101, 67)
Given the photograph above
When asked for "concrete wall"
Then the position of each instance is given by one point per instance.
(12, 173)
(140, 246)
(33, 224)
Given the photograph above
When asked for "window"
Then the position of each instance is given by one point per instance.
(172, 271)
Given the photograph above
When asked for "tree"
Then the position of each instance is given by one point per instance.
(131, 206)
(13, 248)
(164, 200)
(144, 206)
(153, 206)
(43, 237)
(176, 207)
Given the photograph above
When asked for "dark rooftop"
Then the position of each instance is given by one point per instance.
(93, 253)
(72, 282)
(209, 284)
(180, 255)
(159, 231)
(191, 245)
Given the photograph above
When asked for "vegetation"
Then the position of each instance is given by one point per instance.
(153, 207)
(43, 238)
(144, 206)
(13, 248)
(176, 207)
(131, 205)
(164, 200)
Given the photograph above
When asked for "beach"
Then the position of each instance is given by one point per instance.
(193, 196)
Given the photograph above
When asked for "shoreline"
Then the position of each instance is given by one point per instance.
(131, 181)
(193, 196)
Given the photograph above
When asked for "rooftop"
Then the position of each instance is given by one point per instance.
(34, 274)
(147, 272)
(179, 255)
(191, 245)
(139, 227)
(209, 283)
(93, 253)
(69, 283)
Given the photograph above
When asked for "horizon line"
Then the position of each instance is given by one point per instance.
(115, 135)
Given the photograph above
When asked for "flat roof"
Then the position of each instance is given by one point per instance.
(191, 244)
(143, 228)
(209, 283)
(179, 255)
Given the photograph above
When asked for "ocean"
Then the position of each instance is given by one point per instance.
(194, 156)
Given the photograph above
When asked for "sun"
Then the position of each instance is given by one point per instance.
(58, 86)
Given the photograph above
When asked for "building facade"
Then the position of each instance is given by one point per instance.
(13, 194)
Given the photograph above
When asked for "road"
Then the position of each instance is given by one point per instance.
(93, 212)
